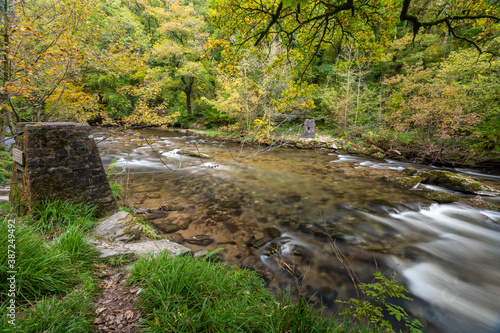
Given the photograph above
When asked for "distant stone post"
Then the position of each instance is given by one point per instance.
(58, 161)
(309, 129)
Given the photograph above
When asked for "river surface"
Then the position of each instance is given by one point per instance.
(320, 218)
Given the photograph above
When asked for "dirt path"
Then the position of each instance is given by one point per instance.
(114, 308)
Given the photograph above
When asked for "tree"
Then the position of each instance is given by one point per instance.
(40, 54)
(179, 36)
(312, 25)
(258, 87)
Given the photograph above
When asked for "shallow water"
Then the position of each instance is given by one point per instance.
(447, 255)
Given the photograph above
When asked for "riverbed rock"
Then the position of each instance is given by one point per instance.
(457, 182)
(410, 171)
(192, 154)
(184, 223)
(168, 228)
(439, 196)
(202, 240)
(272, 232)
(259, 243)
(176, 238)
(230, 204)
(404, 182)
(121, 226)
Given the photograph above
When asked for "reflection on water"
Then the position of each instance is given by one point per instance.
(296, 205)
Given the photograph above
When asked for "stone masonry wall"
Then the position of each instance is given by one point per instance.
(59, 160)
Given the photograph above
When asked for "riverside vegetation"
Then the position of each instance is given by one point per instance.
(417, 79)
(57, 285)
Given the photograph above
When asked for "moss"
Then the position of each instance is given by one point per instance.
(404, 182)
(457, 182)
(410, 171)
(18, 200)
(439, 197)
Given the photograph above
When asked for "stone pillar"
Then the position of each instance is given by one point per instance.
(58, 161)
(309, 129)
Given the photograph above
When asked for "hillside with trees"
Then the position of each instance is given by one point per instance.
(418, 78)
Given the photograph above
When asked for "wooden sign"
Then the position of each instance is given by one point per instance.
(17, 156)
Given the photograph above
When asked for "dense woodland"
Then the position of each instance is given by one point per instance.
(421, 78)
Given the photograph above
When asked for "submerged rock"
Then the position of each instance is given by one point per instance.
(176, 238)
(439, 196)
(202, 240)
(259, 243)
(121, 226)
(230, 204)
(168, 228)
(457, 182)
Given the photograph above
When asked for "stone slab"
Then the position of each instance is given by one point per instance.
(140, 249)
(121, 226)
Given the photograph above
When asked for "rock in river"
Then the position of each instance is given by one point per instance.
(202, 240)
(193, 154)
(457, 182)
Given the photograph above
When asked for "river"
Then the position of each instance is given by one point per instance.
(322, 219)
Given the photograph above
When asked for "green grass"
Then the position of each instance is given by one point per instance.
(55, 216)
(55, 286)
(40, 268)
(69, 313)
(117, 190)
(186, 294)
(75, 244)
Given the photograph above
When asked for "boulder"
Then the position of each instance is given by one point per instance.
(410, 171)
(121, 226)
(457, 182)
(404, 182)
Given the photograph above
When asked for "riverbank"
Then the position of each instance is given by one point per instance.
(81, 292)
(374, 146)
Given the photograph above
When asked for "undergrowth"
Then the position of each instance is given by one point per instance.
(54, 285)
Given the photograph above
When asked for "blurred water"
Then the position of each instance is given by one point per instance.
(447, 255)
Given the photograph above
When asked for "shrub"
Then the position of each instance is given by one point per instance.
(372, 309)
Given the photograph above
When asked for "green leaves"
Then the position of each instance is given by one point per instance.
(377, 295)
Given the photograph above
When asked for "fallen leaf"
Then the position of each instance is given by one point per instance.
(129, 314)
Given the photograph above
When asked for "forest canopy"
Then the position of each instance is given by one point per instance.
(409, 75)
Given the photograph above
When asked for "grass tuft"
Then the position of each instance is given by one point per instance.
(186, 294)
(55, 216)
(76, 245)
(40, 268)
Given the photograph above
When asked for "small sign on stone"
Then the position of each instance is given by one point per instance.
(17, 156)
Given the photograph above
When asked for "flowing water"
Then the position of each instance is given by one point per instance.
(323, 219)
